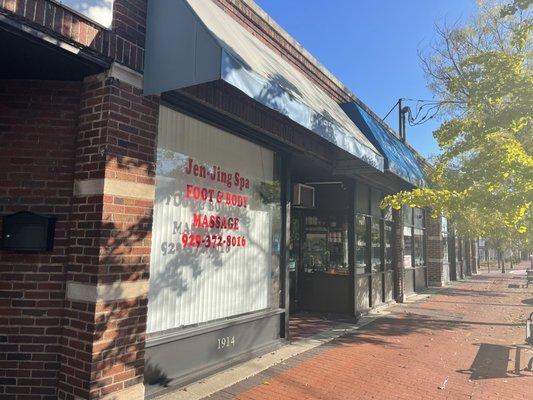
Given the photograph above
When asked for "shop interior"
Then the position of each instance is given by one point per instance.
(321, 274)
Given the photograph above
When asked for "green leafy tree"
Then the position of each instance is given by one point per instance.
(482, 74)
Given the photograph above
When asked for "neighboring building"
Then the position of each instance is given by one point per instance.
(207, 178)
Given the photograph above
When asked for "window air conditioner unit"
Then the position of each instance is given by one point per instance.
(303, 196)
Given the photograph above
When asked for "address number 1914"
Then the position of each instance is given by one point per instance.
(225, 342)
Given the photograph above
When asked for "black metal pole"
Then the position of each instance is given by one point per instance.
(400, 124)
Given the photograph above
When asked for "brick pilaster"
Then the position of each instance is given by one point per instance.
(399, 270)
(435, 252)
(107, 278)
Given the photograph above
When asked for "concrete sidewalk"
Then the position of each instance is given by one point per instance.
(459, 342)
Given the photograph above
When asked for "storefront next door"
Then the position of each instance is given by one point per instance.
(373, 239)
(320, 272)
(341, 255)
(414, 256)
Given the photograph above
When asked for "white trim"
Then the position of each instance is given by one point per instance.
(106, 292)
(126, 75)
(113, 187)
(135, 392)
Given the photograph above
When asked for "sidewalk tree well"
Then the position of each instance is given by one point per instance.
(482, 75)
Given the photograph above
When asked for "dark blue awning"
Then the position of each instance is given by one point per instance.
(399, 159)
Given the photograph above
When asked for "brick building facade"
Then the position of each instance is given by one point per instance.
(78, 141)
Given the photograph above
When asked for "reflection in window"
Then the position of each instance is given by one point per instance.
(418, 245)
(361, 242)
(326, 244)
(407, 216)
(387, 214)
(407, 247)
(387, 242)
(418, 216)
(100, 11)
(376, 245)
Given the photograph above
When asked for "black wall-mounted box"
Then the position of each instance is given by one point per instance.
(27, 231)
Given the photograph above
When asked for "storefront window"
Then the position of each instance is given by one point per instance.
(387, 214)
(418, 247)
(407, 247)
(326, 244)
(418, 217)
(362, 199)
(376, 245)
(407, 216)
(388, 242)
(216, 228)
(361, 243)
(375, 196)
(413, 231)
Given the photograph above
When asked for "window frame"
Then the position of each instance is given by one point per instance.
(411, 227)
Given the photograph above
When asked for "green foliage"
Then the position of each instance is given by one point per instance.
(483, 179)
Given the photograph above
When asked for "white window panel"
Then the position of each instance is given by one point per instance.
(193, 285)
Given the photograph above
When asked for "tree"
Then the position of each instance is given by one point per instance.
(482, 75)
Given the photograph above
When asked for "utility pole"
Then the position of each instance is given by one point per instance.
(400, 121)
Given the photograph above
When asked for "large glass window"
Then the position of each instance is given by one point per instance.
(418, 218)
(407, 216)
(407, 247)
(375, 236)
(413, 233)
(418, 247)
(361, 243)
(216, 228)
(326, 244)
(388, 244)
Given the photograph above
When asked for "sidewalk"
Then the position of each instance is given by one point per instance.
(457, 344)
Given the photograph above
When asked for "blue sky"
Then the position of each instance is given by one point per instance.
(371, 46)
(99, 10)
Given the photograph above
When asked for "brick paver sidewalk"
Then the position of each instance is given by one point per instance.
(457, 344)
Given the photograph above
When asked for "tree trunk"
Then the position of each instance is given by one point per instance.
(503, 261)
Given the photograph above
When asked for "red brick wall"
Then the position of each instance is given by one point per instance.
(110, 240)
(38, 122)
(54, 134)
(129, 28)
(435, 252)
